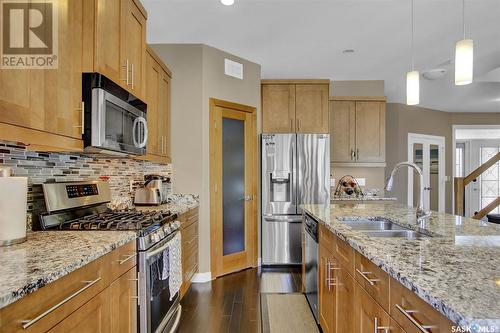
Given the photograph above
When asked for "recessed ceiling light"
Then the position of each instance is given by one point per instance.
(227, 2)
(434, 74)
(348, 51)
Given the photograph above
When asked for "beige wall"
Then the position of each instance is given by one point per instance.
(357, 88)
(198, 75)
(402, 119)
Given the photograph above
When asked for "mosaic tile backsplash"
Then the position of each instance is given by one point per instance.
(123, 174)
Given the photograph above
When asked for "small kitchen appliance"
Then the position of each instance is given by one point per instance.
(154, 192)
(82, 206)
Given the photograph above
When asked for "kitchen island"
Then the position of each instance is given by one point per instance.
(456, 271)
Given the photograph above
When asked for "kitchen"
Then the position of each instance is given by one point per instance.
(156, 179)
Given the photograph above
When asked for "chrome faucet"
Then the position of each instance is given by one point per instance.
(422, 214)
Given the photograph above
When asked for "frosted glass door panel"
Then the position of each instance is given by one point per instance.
(489, 183)
(233, 180)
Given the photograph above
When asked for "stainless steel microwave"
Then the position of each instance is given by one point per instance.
(114, 119)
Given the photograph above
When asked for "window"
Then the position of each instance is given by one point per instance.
(459, 160)
(489, 183)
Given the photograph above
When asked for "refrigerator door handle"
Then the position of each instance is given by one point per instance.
(293, 188)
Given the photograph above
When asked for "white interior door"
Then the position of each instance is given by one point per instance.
(428, 152)
(487, 187)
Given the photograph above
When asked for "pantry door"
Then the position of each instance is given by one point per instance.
(428, 152)
(233, 182)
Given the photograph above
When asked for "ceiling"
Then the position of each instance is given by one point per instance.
(305, 39)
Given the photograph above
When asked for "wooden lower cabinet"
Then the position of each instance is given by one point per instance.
(123, 292)
(93, 317)
(97, 297)
(350, 303)
(327, 289)
(369, 316)
(189, 235)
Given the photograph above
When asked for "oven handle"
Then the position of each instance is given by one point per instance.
(161, 248)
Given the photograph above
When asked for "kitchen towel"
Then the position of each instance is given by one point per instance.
(175, 263)
(13, 207)
(165, 272)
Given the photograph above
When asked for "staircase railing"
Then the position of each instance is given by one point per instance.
(462, 182)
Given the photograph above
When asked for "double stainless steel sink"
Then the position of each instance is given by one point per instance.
(380, 227)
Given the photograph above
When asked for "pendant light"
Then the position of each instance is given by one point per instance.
(413, 76)
(227, 2)
(464, 57)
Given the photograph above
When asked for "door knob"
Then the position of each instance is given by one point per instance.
(247, 198)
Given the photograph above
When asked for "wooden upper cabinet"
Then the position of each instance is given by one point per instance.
(311, 108)
(278, 108)
(295, 106)
(157, 84)
(370, 131)
(133, 45)
(153, 76)
(107, 40)
(357, 130)
(342, 131)
(120, 43)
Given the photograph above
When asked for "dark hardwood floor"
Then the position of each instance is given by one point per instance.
(232, 303)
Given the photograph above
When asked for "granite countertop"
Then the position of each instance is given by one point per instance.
(177, 204)
(49, 255)
(363, 198)
(457, 271)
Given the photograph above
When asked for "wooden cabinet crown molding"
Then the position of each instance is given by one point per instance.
(157, 58)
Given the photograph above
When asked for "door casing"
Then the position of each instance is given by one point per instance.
(220, 264)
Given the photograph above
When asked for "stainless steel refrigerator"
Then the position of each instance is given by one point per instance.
(295, 171)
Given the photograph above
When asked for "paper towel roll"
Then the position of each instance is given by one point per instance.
(13, 207)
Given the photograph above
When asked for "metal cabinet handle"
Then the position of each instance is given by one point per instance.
(407, 314)
(377, 328)
(82, 110)
(364, 275)
(353, 154)
(357, 154)
(132, 70)
(327, 280)
(122, 261)
(126, 72)
(298, 125)
(88, 284)
(291, 125)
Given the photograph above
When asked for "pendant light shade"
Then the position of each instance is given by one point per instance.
(464, 62)
(412, 88)
(227, 2)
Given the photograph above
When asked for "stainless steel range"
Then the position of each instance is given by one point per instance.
(83, 206)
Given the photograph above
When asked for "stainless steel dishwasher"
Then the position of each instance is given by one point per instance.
(311, 261)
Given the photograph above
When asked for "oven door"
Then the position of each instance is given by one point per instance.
(157, 312)
(117, 125)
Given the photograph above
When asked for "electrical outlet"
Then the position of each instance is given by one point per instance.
(131, 186)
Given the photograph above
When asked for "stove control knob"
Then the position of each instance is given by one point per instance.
(176, 225)
(156, 237)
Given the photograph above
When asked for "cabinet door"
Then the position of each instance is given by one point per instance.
(342, 131)
(370, 131)
(92, 317)
(107, 41)
(164, 114)
(326, 292)
(369, 317)
(63, 86)
(311, 108)
(133, 45)
(153, 77)
(123, 293)
(278, 108)
(345, 300)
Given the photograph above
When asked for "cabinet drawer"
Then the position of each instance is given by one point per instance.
(410, 312)
(189, 217)
(369, 316)
(344, 254)
(122, 260)
(46, 307)
(326, 238)
(189, 266)
(188, 233)
(373, 279)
